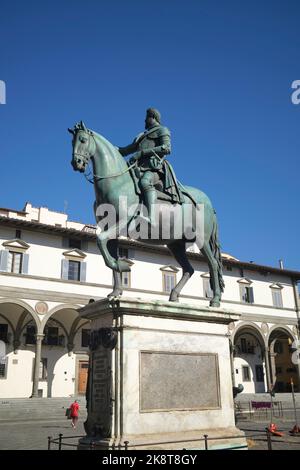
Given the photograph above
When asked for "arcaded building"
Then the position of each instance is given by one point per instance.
(50, 267)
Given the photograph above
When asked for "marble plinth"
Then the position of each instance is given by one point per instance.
(159, 376)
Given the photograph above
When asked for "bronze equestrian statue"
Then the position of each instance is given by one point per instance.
(148, 179)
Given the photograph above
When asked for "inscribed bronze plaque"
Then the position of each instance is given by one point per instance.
(178, 381)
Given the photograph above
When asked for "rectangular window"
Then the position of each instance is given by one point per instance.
(247, 294)
(259, 371)
(43, 369)
(2, 368)
(30, 335)
(243, 345)
(14, 264)
(277, 298)
(3, 332)
(278, 347)
(74, 271)
(207, 290)
(125, 279)
(18, 234)
(51, 336)
(169, 281)
(85, 337)
(246, 373)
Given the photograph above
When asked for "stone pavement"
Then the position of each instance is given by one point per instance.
(257, 437)
(32, 435)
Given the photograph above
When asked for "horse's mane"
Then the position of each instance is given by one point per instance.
(110, 148)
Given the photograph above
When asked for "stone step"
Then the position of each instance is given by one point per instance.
(38, 408)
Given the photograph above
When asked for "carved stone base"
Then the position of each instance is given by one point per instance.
(159, 377)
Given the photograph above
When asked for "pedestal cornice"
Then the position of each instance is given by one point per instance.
(158, 308)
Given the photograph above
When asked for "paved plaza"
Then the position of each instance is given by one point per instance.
(33, 435)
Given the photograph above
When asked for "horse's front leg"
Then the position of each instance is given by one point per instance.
(117, 282)
(110, 259)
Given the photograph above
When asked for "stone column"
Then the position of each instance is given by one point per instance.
(38, 350)
(267, 366)
(272, 356)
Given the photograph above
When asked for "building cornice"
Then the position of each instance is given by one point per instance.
(85, 235)
(53, 295)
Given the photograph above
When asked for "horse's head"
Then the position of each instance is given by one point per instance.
(83, 146)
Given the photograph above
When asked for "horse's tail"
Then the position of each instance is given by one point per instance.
(215, 248)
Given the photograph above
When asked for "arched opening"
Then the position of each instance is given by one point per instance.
(17, 367)
(65, 352)
(249, 360)
(282, 367)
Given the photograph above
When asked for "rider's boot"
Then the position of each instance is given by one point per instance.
(150, 200)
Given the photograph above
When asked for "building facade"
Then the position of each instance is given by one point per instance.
(50, 267)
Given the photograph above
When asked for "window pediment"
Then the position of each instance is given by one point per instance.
(245, 281)
(16, 244)
(74, 254)
(169, 268)
(276, 285)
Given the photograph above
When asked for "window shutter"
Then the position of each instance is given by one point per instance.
(25, 260)
(65, 242)
(84, 245)
(3, 260)
(64, 269)
(251, 295)
(82, 272)
(277, 298)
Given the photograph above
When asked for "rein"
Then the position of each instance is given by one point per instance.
(96, 177)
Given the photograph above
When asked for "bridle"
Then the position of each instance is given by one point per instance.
(86, 159)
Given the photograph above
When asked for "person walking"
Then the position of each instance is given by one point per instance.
(74, 410)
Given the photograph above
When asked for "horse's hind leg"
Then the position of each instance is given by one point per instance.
(179, 253)
(213, 270)
(117, 291)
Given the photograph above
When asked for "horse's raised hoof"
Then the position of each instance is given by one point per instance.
(123, 266)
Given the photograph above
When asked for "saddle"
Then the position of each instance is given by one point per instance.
(159, 186)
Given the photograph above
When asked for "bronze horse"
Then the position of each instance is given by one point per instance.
(113, 183)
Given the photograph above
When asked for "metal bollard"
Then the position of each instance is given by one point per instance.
(59, 441)
(126, 444)
(205, 441)
(49, 442)
(269, 440)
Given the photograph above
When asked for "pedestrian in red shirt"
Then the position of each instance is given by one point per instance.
(74, 413)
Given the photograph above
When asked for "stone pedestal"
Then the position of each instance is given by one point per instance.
(160, 376)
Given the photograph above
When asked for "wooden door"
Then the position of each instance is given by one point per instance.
(83, 375)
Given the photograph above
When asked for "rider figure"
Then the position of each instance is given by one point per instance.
(150, 148)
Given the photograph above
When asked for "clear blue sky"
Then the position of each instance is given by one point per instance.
(220, 72)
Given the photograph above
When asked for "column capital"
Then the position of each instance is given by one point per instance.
(39, 336)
